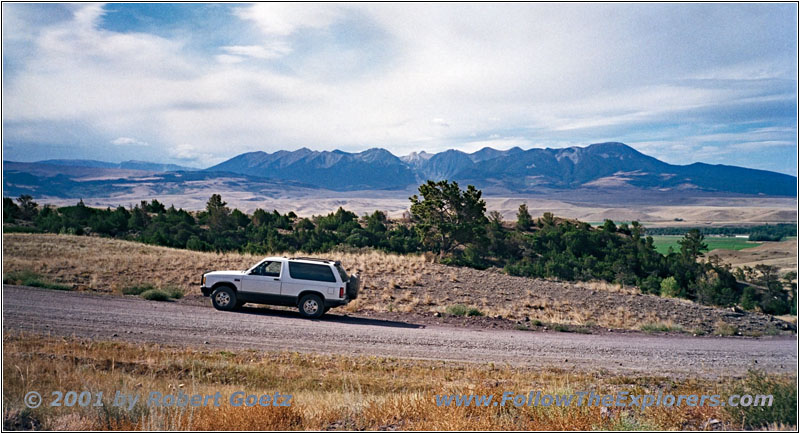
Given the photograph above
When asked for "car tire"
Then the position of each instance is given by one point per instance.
(311, 306)
(224, 298)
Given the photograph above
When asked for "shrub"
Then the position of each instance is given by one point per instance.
(155, 295)
(651, 285)
(456, 310)
(670, 287)
(724, 329)
(653, 327)
(138, 289)
(29, 278)
(561, 328)
(15, 229)
(784, 401)
(174, 292)
(748, 299)
(474, 311)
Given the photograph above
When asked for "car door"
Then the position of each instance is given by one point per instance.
(263, 279)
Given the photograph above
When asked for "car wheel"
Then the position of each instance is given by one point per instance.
(311, 306)
(224, 298)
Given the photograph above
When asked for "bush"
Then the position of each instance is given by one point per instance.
(461, 310)
(174, 292)
(784, 401)
(457, 310)
(155, 295)
(670, 287)
(16, 229)
(138, 289)
(748, 299)
(653, 327)
(474, 311)
(29, 278)
(724, 329)
(651, 285)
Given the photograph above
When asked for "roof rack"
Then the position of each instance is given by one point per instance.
(305, 258)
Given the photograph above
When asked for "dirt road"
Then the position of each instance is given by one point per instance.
(102, 317)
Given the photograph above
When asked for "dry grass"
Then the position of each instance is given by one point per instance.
(410, 283)
(105, 264)
(596, 285)
(329, 392)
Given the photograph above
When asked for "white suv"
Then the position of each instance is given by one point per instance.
(313, 285)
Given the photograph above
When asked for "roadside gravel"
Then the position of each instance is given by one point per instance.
(108, 318)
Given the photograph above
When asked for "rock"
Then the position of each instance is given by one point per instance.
(437, 314)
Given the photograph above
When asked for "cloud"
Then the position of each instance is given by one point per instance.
(127, 141)
(270, 51)
(283, 19)
(189, 154)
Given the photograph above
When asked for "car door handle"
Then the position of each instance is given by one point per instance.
(276, 279)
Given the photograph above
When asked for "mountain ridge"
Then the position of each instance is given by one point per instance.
(598, 169)
(599, 165)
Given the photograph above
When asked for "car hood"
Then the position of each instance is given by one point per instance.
(225, 273)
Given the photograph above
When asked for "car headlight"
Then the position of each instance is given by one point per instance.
(204, 280)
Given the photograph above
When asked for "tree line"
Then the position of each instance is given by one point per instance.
(447, 221)
(776, 232)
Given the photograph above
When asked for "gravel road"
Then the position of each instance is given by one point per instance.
(104, 317)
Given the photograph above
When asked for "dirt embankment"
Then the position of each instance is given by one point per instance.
(393, 285)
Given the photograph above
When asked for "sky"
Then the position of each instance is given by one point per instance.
(196, 84)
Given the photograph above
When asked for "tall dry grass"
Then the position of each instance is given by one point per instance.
(329, 392)
(106, 264)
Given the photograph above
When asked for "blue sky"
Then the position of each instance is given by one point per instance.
(195, 84)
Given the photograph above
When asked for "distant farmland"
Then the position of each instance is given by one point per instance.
(664, 242)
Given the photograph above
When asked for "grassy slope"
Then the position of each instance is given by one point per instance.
(391, 283)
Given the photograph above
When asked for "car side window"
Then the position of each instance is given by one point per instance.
(268, 268)
(318, 272)
(273, 269)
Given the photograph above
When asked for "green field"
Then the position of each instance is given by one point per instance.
(664, 242)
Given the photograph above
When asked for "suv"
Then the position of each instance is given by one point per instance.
(313, 285)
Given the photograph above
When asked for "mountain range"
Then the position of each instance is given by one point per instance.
(599, 168)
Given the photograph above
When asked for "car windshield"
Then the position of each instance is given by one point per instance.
(341, 271)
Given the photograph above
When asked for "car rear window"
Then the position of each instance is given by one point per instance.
(342, 273)
(318, 272)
